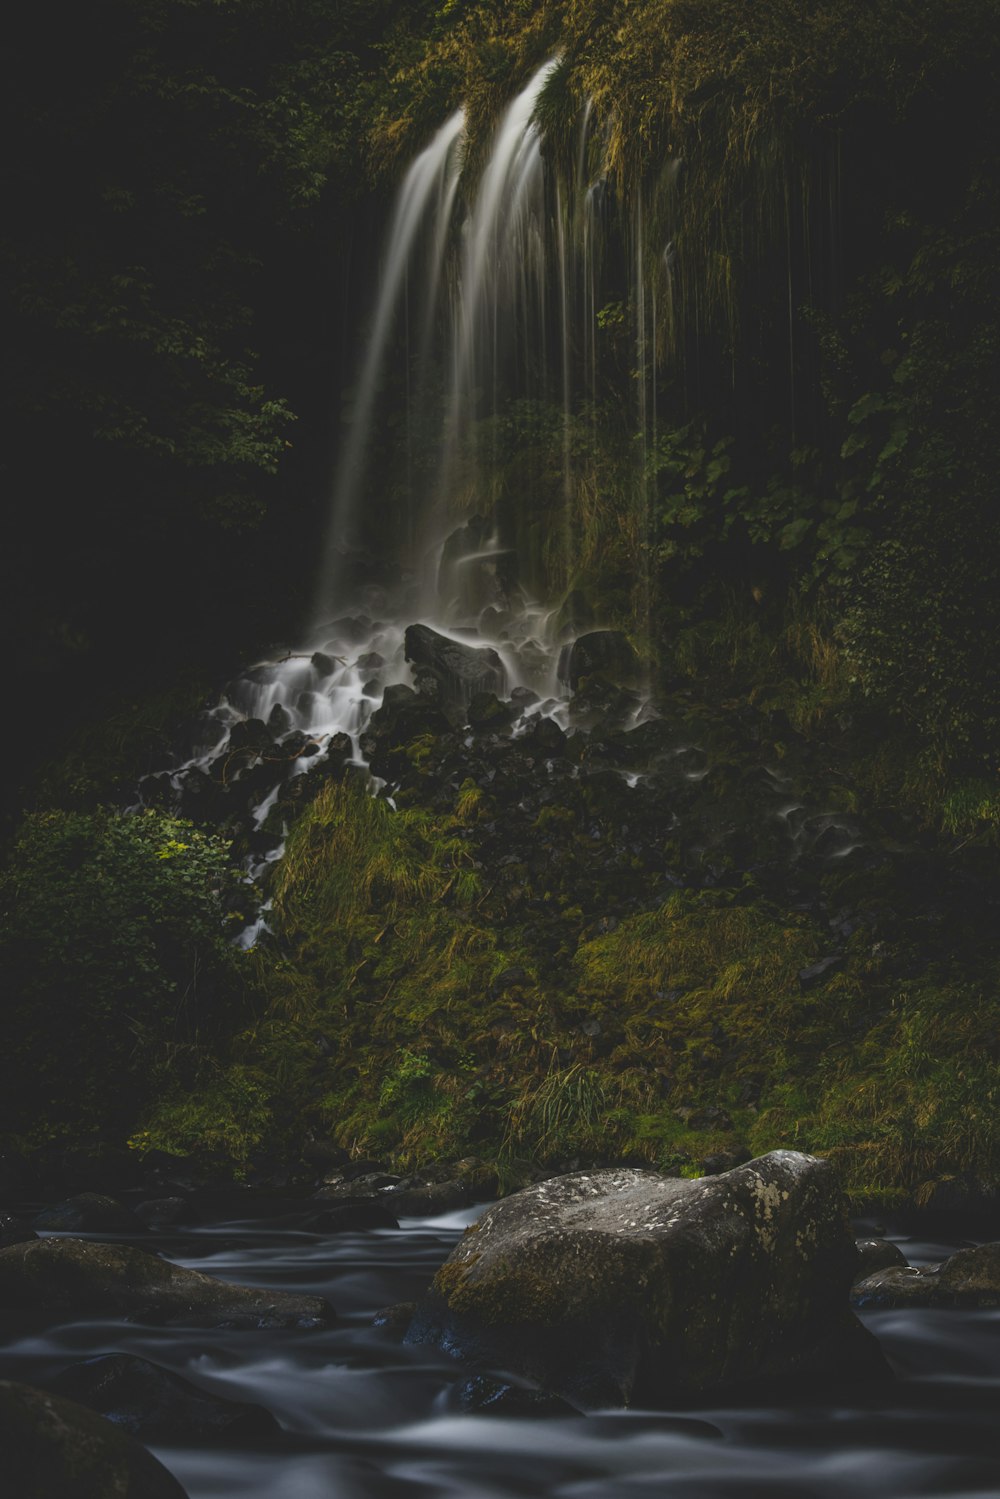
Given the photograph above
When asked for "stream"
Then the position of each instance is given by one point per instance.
(366, 1418)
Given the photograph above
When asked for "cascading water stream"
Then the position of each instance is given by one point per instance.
(423, 182)
(488, 313)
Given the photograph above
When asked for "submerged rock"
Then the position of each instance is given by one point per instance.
(350, 1218)
(157, 1405)
(486, 1395)
(76, 1277)
(167, 1212)
(621, 1286)
(426, 1199)
(53, 1447)
(90, 1213)
(968, 1278)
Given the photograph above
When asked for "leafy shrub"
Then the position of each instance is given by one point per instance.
(116, 959)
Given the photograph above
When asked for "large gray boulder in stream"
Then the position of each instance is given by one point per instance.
(460, 671)
(622, 1287)
(75, 1277)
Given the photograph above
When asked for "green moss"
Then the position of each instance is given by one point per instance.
(230, 1116)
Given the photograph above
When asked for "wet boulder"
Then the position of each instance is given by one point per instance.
(250, 734)
(76, 1277)
(968, 1278)
(623, 1287)
(600, 703)
(167, 1212)
(90, 1213)
(279, 720)
(157, 1405)
(370, 1184)
(460, 670)
(604, 652)
(875, 1255)
(487, 713)
(427, 1199)
(52, 1446)
(403, 717)
(545, 738)
(349, 1218)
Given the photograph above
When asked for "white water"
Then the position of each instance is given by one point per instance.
(430, 181)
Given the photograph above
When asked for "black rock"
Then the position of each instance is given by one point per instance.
(250, 734)
(969, 1278)
(486, 711)
(322, 664)
(350, 1217)
(165, 1212)
(54, 1448)
(403, 717)
(370, 1184)
(157, 1405)
(875, 1255)
(90, 1213)
(279, 720)
(600, 702)
(545, 738)
(428, 1200)
(460, 670)
(486, 1395)
(604, 652)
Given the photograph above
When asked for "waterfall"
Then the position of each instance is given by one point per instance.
(425, 182)
(498, 291)
(482, 353)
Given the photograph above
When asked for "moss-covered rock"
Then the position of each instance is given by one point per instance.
(74, 1277)
(622, 1287)
(54, 1446)
(968, 1278)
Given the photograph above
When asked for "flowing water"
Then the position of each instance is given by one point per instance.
(366, 1418)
